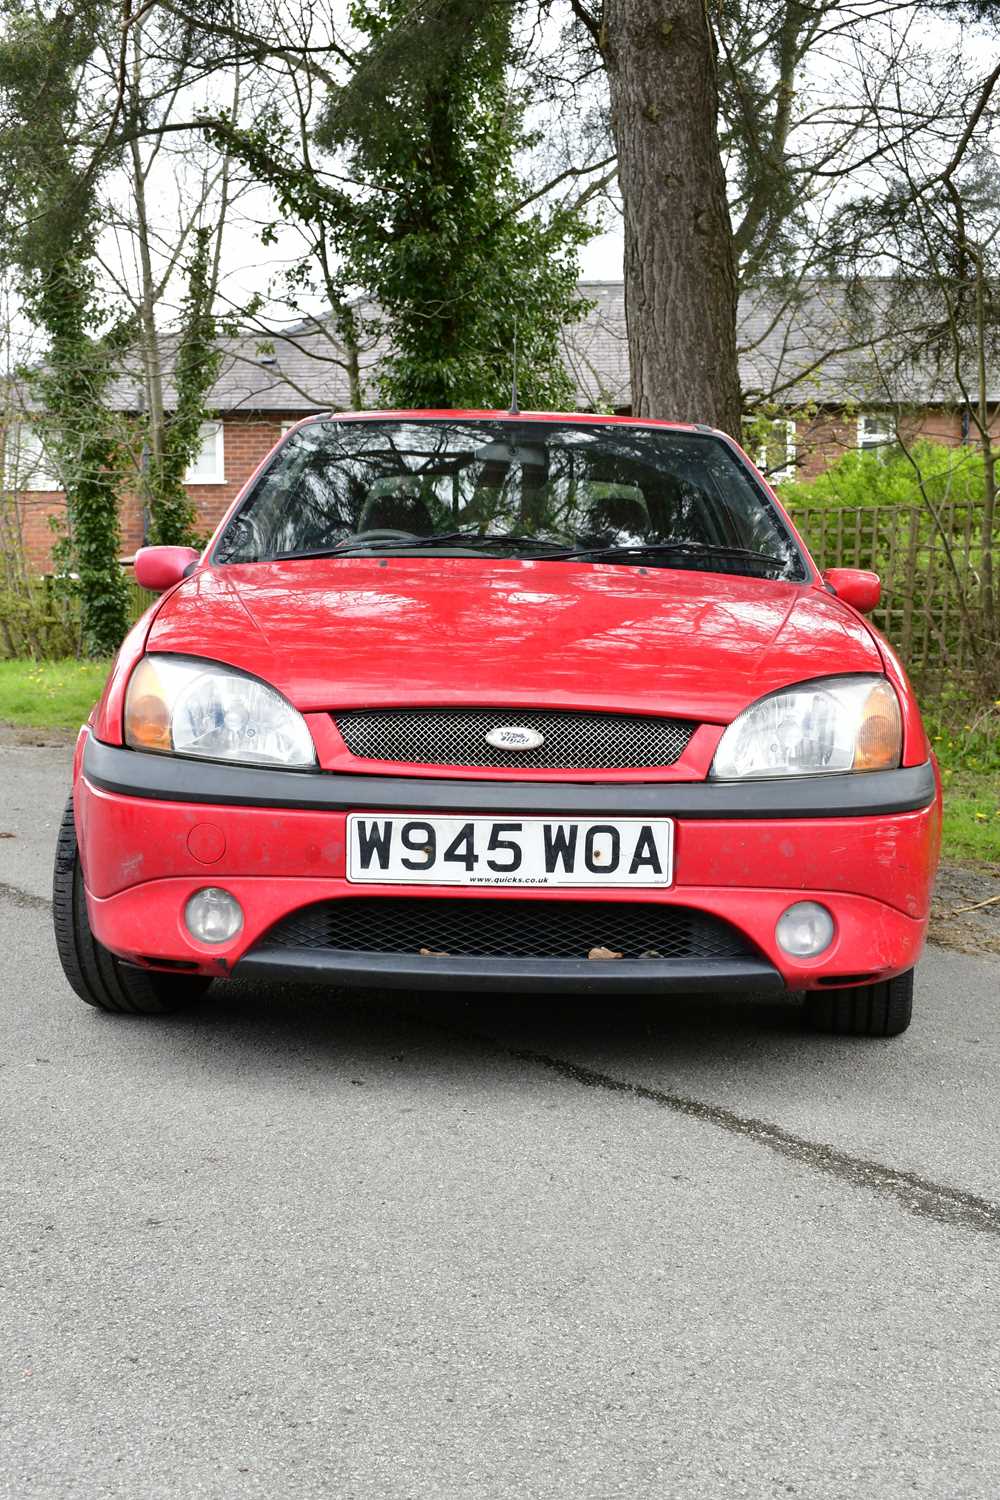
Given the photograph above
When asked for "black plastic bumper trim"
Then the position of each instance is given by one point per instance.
(362, 970)
(167, 778)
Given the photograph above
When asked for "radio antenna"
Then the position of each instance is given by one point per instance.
(515, 410)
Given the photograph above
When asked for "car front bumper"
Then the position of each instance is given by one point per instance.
(154, 829)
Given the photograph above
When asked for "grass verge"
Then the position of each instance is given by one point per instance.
(967, 744)
(971, 817)
(50, 694)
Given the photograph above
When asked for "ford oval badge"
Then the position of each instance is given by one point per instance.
(514, 737)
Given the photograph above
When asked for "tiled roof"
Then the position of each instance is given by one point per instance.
(821, 343)
(300, 369)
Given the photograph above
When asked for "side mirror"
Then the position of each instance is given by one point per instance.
(855, 586)
(159, 568)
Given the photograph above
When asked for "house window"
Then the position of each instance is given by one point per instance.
(26, 462)
(209, 467)
(775, 455)
(876, 431)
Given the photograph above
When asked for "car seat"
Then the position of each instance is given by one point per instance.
(396, 505)
(618, 510)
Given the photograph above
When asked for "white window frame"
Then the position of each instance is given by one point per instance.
(876, 431)
(787, 470)
(213, 446)
(25, 462)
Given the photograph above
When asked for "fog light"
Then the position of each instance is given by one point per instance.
(213, 915)
(805, 929)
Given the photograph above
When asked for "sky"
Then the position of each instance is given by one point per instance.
(251, 267)
(601, 260)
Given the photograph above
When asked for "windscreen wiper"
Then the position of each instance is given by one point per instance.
(484, 538)
(653, 549)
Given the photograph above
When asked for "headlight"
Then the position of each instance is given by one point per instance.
(179, 705)
(832, 724)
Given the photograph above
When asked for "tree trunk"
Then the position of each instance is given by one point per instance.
(680, 272)
(987, 595)
(149, 344)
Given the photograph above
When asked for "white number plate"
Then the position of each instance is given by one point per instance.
(412, 849)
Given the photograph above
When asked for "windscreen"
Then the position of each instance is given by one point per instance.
(577, 491)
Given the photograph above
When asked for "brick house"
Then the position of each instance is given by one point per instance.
(822, 366)
(821, 384)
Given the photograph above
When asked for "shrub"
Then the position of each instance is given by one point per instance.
(43, 621)
(950, 476)
(40, 620)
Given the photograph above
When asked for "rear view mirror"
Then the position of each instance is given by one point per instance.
(159, 568)
(856, 587)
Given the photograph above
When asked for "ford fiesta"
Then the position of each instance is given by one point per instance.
(503, 701)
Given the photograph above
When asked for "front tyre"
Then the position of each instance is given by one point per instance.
(882, 1009)
(97, 976)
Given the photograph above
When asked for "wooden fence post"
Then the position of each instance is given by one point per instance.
(909, 582)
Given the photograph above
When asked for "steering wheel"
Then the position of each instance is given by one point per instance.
(384, 533)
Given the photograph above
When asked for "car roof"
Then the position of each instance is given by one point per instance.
(587, 419)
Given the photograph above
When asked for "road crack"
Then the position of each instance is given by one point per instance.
(918, 1195)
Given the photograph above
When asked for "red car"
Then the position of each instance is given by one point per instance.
(511, 702)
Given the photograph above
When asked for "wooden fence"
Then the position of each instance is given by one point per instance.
(923, 592)
(139, 599)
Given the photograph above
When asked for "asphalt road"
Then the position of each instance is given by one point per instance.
(303, 1245)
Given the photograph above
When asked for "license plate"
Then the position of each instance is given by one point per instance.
(412, 850)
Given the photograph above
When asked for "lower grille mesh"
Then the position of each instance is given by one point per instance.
(504, 928)
(457, 737)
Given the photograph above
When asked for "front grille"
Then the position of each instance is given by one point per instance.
(505, 928)
(457, 737)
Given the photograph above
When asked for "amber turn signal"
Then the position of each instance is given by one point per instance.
(879, 742)
(147, 712)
